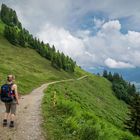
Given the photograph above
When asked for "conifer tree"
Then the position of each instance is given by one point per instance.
(17, 35)
(9, 16)
(105, 74)
(133, 122)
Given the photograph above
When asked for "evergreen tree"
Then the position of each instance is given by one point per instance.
(122, 89)
(105, 74)
(20, 36)
(110, 77)
(116, 77)
(63, 61)
(11, 34)
(133, 122)
(9, 16)
(21, 39)
(54, 61)
(59, 62)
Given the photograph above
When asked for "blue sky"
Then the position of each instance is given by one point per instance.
(95, 33)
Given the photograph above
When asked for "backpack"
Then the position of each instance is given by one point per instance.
(6, 93)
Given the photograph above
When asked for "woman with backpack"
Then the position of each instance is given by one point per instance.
(9, 96)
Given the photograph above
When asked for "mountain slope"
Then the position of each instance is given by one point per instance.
(30, 69)
(85, 109)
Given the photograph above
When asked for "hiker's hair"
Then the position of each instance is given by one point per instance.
(13, 76)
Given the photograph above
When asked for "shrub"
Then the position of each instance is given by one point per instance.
(66, 107)
(90, 132)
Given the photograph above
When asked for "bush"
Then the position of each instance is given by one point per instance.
(90, 132)
(67, 107)
(71, 125)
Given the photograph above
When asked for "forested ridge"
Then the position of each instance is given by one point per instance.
(127, 92)
(19, 36)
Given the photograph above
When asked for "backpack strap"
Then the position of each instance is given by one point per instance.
(10, 89)
(10, 86)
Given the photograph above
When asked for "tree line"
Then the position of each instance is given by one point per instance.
(127, 92)
(19, 36)
(123, 90)
(9, 16)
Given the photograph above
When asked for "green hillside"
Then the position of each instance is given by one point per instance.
(85, 109)
(1, 27)
(30, 69)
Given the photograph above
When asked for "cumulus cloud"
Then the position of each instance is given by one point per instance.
(111, 26)
(65, 42)
(134, 38)
(83, 33)
(98, 22)
(68, 13)
(111, 63)
(109, 47)
(62, 39)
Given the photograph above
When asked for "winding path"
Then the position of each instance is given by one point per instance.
(29, 119)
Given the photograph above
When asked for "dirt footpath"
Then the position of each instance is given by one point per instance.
(29, 119)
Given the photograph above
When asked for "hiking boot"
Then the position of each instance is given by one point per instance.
(11, 124)
(4, 122)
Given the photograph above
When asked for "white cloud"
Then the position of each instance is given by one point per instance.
(109, 47)
(111, 25)
(134, 38)
(66, 42)
(62, 39)
(111, 63)
(83, 34)
(68, 12)
(98, 22)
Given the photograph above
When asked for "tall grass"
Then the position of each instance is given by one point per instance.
(86, 110)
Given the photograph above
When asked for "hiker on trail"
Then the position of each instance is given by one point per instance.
(9, 96)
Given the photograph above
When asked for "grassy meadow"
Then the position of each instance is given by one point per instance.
(86, 110)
